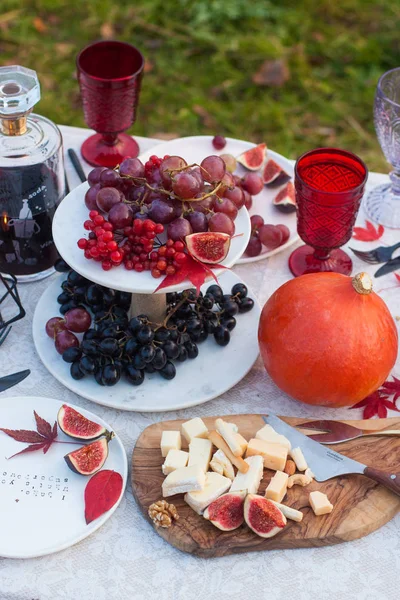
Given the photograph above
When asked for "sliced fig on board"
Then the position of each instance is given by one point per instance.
(89, 459)
(226, 512)
(285, 200)
(253, 159)
(75, 425)
(209, 247)
(273, 175)
(262, 516)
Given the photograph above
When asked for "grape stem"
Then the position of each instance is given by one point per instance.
(171, 194)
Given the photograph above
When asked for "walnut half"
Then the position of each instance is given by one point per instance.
(162, 513)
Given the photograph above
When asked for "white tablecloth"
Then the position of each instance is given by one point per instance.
(126, 559)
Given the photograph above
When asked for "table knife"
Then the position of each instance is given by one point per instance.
(391, 265)
(325, 463)
(10, 380)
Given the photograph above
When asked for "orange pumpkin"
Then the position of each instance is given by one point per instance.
(328, 339)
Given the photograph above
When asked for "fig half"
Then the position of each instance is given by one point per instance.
(226, 512)
(89, 459)
(75, 425)
(208, 247)
(263, 516)
(253, 159)
(285, 200)
(273, 175)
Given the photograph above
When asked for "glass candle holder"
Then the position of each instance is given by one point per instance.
(109, 75)
(329, 186)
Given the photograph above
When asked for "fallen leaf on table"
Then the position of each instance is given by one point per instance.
(38, 440)
(193, 270)
(397, 275)
(392, 387)
(272, 73)
(369, 233)
(376, 404)
(101, 493)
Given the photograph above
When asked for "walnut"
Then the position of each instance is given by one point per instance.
(162, 513)
(290, 467)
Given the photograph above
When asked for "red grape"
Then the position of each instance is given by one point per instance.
(161, 211)
(285, 233)
(256, 221)
(221, 223)
(248, 200)
(169, 164)
(120, 215)
(64, 340)
(178, 229)
(253, 247)
(107, 197)
(77, 320)
(197, 173)
(212, 169)
(198, 221)
(109, 178)
(219, 142)
(252, 183)
(205, 205)
(54, 325)
(236, 196)
(154, 176)
(90, 197)
(185, 185)
(270, 236)
(226, 206)
(94, 175)
(230, 162)
(131, 167)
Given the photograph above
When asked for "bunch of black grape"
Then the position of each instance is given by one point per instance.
(116, 346)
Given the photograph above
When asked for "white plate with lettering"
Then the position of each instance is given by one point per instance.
(41, 499)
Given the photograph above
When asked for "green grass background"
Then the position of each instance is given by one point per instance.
(201, 57)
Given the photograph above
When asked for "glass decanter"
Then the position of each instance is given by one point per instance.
(32, 180)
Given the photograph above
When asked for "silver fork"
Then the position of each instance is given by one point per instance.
(379, 255)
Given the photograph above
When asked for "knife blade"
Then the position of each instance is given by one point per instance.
(392, 265)
(9, 380)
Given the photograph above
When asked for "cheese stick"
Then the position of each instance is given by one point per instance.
(220, 443)
(290, 513)
(229, 436)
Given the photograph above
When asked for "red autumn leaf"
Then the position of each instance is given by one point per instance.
(32, 448)
(378, 403)
(23, 435)
(397, 275)
(369, 233)
(42, 438)
(101, 493)
(44, 428)
(392, 387)
(194, 270)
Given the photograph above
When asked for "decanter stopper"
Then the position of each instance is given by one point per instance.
(19, 92)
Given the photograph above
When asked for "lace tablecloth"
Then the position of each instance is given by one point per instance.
(125, 559)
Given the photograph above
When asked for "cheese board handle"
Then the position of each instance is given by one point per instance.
(389, 480)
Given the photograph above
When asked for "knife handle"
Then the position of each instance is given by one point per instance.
(389, 480)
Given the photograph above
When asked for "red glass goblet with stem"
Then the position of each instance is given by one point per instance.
(109, 75)
(329, 186)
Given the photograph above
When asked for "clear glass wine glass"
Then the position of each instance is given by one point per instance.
(382, 204)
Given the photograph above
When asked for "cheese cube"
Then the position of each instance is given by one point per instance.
(221, 464)
(274, 455)
(268, 434)
(186, 479)
(242, 443)
(320, 504)
(176, 459)
(195, 428)
(277, 487)
(215, 486)
(200, 453)
(230, 436)
(249, 481)
(299, 459)
(170, 440)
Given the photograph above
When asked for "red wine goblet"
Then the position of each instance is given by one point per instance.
(329, 186)
(109, 75)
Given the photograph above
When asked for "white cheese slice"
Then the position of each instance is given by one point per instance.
(320, 504)
(277, 487)
(230, 436)
(200, 453)
(170, 440)
(195, 428)
(221, 464)
(186, 479)
(215, 486)
(289, 512)
(249, 481)
(268, 434)
(299, 459)
(176, 459)
(274, 455)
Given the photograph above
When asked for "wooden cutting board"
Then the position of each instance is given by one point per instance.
(360, 505)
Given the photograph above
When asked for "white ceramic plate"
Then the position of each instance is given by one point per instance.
(211, 374)
(41, 499)
(72, 212)
(195, 148)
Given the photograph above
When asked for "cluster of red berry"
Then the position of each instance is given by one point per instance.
(168, 259)
(154, 162)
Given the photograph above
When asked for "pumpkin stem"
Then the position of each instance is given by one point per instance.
(362, 283)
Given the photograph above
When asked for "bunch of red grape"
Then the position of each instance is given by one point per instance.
(270, 236)
(62, 330)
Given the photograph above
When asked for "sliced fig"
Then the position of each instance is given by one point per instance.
(208, 247)
(226, 512)
(75, 425)
(253, 159)
(285, 200)
(89, 459)
(273, 175)
(263, 516)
